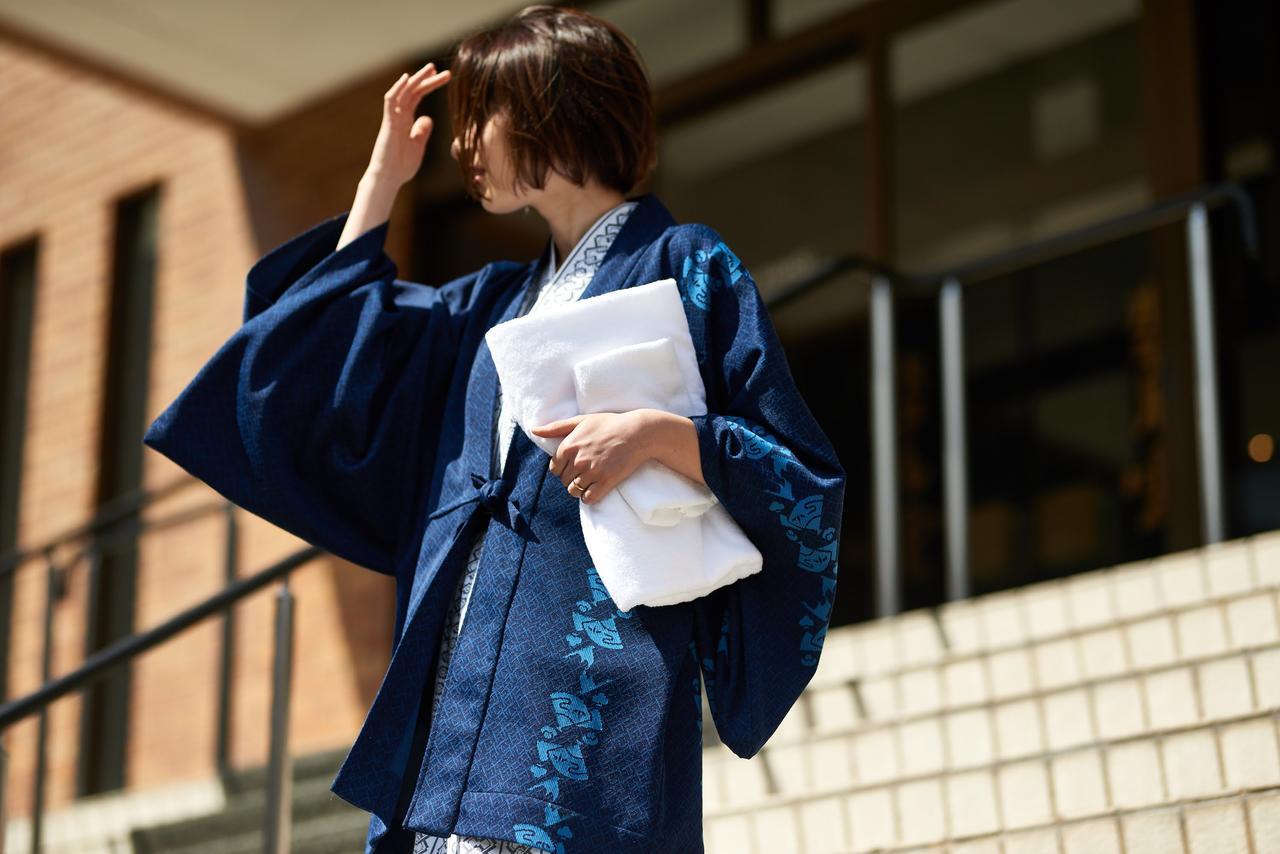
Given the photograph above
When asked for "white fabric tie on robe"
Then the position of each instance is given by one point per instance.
(659, 538)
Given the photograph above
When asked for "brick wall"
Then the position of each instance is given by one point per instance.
(71, 143)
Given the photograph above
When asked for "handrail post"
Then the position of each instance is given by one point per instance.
(4, 775)
(53, 578)
(955, 464)
(280, 771)
(227, 654)
(884, 452)
(1208, 445)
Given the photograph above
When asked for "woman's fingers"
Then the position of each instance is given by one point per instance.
(427, 85)
(394, 92)
(412, 83)
(407, 84)
(434, 81)
(422, 82)
(403, 85)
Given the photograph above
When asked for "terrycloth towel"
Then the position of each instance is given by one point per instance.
(659, 538)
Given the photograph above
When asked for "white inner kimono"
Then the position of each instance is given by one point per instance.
(556, 287)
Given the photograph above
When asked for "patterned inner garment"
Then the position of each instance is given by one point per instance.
(557, 287)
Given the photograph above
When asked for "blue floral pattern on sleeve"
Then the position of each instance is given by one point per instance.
(800, 516)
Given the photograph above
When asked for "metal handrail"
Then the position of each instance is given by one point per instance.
(99, 665)
(127, 505)
(117, 525)
(947, 285)
(1170, 210)
(1191, 207)
(881, 379)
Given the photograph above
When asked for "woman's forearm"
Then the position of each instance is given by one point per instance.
(372, 207)
(673, 441)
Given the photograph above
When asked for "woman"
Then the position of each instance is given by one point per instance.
(362, 412)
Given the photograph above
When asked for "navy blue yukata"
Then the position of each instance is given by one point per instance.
(356, 410)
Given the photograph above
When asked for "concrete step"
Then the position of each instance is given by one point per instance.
(244, 815)
(337, 833)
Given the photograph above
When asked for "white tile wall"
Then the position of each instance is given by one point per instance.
(1040, 841)
(1171, 698)
(872, 818)
(1133, 709)
(1118, 708)
(822, 823)
(1024, 793)
(1152, 832)
(1250, 756)
(1263, 811)
(1191, 765)
(1134, 775)
(921, 747)
(1216, 828)
(1225, 689)
(1098, 836)
(1078, 785)
(922, 812)
(972, 803)
(1018, 730)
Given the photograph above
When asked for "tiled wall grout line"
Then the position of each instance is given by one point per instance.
(899, 760)
(1182, 827)
(989, 693)
(770, 778)
(944, 796)
(1248, 826)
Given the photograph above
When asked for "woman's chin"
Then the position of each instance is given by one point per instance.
(501, 203)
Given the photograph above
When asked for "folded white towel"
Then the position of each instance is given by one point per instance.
(643, 376)
(659, 538)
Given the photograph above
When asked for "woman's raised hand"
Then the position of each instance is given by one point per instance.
(397, 153)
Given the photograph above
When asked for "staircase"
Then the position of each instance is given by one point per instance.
(1130, 709)
(208, 817)
(322, 822)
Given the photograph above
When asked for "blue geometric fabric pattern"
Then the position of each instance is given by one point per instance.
(355, 410)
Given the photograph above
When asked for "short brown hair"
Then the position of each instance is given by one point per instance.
(576, 92)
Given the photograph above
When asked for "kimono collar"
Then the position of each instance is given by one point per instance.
(585, 257)
(646, 223)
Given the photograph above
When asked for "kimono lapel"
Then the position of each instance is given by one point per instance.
(647, 221)
(482, 397)
(476, 448)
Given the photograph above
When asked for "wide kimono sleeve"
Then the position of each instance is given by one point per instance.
(775, 471)
(321, 412)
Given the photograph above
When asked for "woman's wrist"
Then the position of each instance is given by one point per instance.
(672, 440)
(374, 199)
